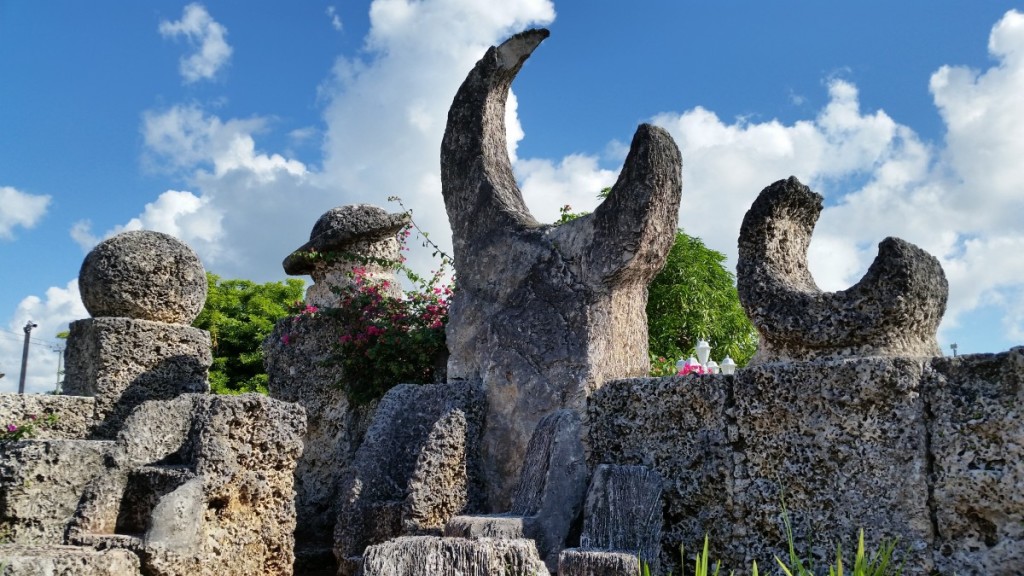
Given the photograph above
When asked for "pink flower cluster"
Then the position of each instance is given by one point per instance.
(692, 369)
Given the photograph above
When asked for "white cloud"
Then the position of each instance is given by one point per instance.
(206, 35)
(575, 181)
(386, 113)
(185, 137)
(52, 313)
(20, 209)
(332, 13)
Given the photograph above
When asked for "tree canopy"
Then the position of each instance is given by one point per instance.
(240, 314)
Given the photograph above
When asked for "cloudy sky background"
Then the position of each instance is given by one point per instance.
(233, 127)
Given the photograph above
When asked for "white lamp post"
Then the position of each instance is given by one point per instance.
(713, 367)
(703, 350)
(728, 366)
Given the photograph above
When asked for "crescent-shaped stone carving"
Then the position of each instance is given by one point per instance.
(544, 314)
(894, 310)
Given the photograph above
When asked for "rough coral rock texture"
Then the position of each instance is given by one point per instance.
(41, 482)
(433, 556)
(623, 512)
(357, 235)
(549, 496)
(122, 362)
(977, 441)
(894, 310)
(842, 443)
(544, 314)
(414, 470)
(144, 275)
(296, 356)
(27, 560)
(57, 417)
(580, 562)
(200, 485)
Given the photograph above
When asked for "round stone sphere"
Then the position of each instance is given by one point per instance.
(143, 275)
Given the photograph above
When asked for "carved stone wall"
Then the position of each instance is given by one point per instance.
(924, 450)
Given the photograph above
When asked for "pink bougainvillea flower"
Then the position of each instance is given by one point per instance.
(12, 428)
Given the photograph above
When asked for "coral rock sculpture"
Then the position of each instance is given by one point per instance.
(894, 310)
(345, 237)
(544, 314)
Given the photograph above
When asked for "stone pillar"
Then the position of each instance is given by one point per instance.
(544, 314)
(143, 289)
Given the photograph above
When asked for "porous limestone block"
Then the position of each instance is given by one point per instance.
(23, 560)
(843, 445)
(415, 469)
(583, 562)
(434, 556)
(976, 404)
(123, 362)
(679, 427)
(41, 482)
(73, 415)
(623, 512)
(297, 358)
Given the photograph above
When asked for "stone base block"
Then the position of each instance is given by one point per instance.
(577, 562)
(124, 362)
(41, 482)
(73, 414)
(20, 560)
(433, 556)
(494, 526)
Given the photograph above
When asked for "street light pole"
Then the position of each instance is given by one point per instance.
(24, 356)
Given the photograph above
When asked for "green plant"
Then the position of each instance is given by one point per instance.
(386, 339)
(27, 427)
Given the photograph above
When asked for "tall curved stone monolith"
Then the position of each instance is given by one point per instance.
(544, 314)
(894, 310)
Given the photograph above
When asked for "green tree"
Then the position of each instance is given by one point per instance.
(694, 297)
(240, 314)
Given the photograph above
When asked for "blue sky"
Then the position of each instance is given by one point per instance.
(235, 125)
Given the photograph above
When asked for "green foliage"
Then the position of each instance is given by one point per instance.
(695, 297)
(240, 314)
(387, 340)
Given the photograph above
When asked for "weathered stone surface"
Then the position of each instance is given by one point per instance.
(977, 440)
(544, 314)
(296, 357)
(73, 414)
(433, 556)
(894, 310)
(41, 482)
(143, 275)
(343, 238)
(22, 560)
(623, 512)
(844, 443)
(227, 461)
(549, 495)
(579, 562)
(414, 468)
(123, 362)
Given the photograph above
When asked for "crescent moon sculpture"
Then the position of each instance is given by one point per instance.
(894, 310)
(544, 314)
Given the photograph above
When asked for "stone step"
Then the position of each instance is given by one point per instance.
(31, 560)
